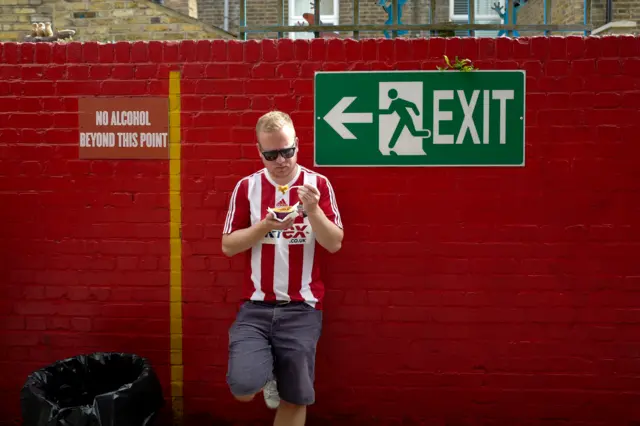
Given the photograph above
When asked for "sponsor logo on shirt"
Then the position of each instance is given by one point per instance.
(299, 233)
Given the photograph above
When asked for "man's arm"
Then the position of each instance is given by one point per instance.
(243, 239)
(238, 234)
(323, 214)
(328, 234)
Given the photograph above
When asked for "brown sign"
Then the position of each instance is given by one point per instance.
(124, 128)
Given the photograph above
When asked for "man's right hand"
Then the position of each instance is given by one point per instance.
(271, 224)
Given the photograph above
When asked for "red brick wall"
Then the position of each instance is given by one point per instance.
(512, 300)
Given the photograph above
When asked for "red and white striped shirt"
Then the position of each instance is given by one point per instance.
(284, 265)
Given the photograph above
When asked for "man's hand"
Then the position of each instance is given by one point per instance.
(310, 196)
(327, 233)
(270, 223)
(243, 239)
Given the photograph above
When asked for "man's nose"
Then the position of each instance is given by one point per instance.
(280, 159)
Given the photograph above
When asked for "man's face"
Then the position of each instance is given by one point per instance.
(280, 167)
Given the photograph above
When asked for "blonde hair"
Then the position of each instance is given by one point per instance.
(273, 121)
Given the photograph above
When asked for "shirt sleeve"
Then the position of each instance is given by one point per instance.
(328, 202)
(238, 215)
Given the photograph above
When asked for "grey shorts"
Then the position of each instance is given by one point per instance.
(274, 341)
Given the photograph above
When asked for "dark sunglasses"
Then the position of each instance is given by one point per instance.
(273, 155)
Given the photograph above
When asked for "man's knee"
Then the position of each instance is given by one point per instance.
(244, 398)
(250, 362)
(289, 406)
(244, 387)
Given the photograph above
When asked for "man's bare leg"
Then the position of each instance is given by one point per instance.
(244, 398)
(290, 415)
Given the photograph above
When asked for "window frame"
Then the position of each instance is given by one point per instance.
(493, 17)
(333, 19)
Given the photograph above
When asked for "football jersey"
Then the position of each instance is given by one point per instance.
(284, 265)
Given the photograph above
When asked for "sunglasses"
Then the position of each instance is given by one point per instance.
(285, 152)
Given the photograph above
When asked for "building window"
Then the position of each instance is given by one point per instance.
(485, 14)
(459, 10)
(329, 11)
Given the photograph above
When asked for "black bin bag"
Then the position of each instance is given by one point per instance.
(101, 389)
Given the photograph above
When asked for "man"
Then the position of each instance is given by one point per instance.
(272, 343)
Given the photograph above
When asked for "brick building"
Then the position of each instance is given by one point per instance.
(111, 20)
(107, 20)
(264, 12)
(572, 12)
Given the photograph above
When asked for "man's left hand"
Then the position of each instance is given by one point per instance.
(310, 196)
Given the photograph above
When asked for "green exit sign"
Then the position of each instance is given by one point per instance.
(420, 118)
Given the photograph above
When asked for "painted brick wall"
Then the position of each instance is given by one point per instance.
(511, 300)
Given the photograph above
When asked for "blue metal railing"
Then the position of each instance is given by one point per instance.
(509, 27)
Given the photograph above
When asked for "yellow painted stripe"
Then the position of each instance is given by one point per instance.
(175, 220)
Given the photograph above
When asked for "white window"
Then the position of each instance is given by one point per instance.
(459, 10)
(329, 11)
(485, 14)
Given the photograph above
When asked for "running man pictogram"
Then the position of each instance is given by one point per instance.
(401, 106)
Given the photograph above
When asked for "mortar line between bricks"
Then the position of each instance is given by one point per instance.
(175, 206)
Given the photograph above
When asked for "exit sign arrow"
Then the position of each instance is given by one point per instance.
(337, 118)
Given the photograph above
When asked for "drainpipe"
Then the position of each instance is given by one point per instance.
(609, 17)
(226, 15)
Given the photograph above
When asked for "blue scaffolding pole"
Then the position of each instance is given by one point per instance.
(545, 16)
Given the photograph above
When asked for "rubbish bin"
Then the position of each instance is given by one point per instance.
(100, 389)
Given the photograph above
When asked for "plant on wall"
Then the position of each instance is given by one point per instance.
(462, 65)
